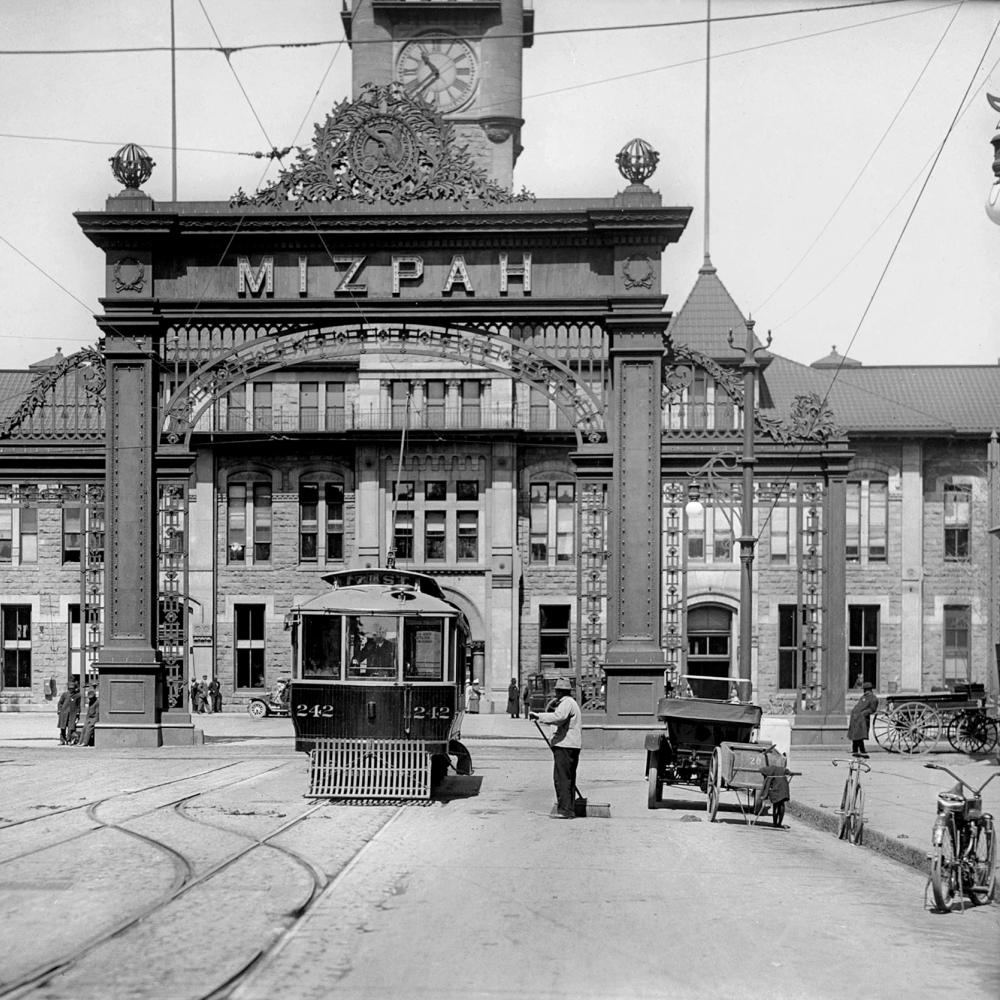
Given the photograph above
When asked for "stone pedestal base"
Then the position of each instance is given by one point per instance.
(127, 735)
(181, 734)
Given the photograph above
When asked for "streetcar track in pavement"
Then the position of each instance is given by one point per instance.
(100, 824)
(182, 883)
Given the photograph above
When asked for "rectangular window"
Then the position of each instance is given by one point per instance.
(434, 535)
(6, 534)
(853, 548)
(236, 409)
(957, 521)
(308, 522)
(471, 411)
(423, 649)
(468, 536)
(403, 490)
(400, 395)
(791, 655)
(783, 528)
(538, 417)
(539, 523)
(862, 644)
(334, 521)
(436, 489)
(722, 535)
(372, 643)
(16, 622)
(263, 412)
(957, 648)
(29, 534)
(336, 409)
(698, 401)
(249, 645)
(236, 532)
(434, 403)
(72, 533)
(404, 534)
(696, 533)
(565, 521)
(262, 522)
(878, 519)
(309, 406)
(553, 638)
(467, 489)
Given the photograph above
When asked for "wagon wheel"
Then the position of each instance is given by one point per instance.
(655, 786)
(257, 709)
(885, 733)
(966, 732)
(918, 725)
(991, 735)
(713, 789)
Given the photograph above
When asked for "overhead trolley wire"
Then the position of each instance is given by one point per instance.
(962, 106)
(228, 51)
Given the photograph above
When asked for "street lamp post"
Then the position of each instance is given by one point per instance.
(748, 540)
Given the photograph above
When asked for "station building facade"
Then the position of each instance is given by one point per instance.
(483, 386)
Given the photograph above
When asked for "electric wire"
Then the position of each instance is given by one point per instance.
(864, 166)
(228, 51)
(878, 284)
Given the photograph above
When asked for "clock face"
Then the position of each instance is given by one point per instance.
(440, 69)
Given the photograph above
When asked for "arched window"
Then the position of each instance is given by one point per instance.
(552, 522)
(321, 520)
(248, 522)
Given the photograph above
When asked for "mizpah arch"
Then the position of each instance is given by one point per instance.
(376, 251)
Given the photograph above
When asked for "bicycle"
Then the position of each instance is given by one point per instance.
(963, 846)
(852, 802)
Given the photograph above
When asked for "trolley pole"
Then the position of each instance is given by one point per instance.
(747, 539)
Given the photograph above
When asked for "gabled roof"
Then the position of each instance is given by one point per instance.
(708, 314)
(835, 360)
(903, 399)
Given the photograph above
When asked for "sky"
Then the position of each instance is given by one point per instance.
(846, 197)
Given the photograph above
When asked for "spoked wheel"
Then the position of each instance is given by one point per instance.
(968, 731)
(845, 806)
(945, 873)
(984, 865)
(257, 710)
(918, 726)
(713, 789)
(856, 828)
(885, 733)
(655, 786)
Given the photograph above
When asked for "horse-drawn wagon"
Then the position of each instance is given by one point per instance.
(915, 722)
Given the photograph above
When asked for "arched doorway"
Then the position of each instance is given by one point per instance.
(710, 645)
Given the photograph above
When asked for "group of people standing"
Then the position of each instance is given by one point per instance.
(69, 708)
(206, 695)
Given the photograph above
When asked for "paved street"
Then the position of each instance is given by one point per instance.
(204, 872)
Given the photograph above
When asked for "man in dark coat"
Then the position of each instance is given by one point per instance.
(514, 699)
(90, 719)
(861, 715)
(215, 694)
(68, 709)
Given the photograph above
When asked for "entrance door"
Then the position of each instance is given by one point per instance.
(709, 630)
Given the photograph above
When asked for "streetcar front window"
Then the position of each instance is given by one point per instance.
(423, 649)
(373, 645)
(321, 646)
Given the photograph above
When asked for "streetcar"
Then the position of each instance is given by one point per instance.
(379, 667)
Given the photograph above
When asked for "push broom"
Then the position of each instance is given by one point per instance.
(581, 807)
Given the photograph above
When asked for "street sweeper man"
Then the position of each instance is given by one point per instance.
(566, 743)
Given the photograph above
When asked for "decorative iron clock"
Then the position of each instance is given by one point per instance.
(443, 70)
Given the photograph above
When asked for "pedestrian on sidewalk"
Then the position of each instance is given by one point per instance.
(566, 743)
(472, 696)
(68, 711)
(861, 716)
(526, 698)
(215, 694)
(90, 719)
(775, 790)
(202, 695)
(514, 699)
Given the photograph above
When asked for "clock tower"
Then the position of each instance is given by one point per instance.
(463, 57)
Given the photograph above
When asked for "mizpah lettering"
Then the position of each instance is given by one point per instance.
(359, 275)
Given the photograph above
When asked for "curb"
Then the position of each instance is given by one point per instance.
(874, 840)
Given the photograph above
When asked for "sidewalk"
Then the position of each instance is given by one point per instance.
(900, 793)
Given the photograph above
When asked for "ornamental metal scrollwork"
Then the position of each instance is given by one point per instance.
(123, 284)
(385, 146)
(677, 354)
(811, 419)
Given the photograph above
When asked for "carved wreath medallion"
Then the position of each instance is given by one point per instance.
(129, 275)
(638, 271)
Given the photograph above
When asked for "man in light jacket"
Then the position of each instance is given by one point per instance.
(565, 743)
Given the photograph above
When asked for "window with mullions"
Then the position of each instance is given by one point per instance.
(867, 521)
(435, 397)
(862, 645)
(309, 521)
(957, 521)
(16, 623)
(468, 536)
(336, 407)
(6, 531)
(404, 535)
(28, 531)
(72, 536)
(957, 647)
(249, 646)
(263, 407)
(791, 655)
(783, 526)
(334, 495)
(711, 530)
(309, 406)
(249, 523)
(552, 522)
(435, 547)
